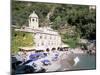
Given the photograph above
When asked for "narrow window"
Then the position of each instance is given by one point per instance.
(45, 37)
(42, 44)
(40, 37)
(50, 37)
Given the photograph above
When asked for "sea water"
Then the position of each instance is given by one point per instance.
(86, 62)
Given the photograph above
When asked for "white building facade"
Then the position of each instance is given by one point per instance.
(44, 37)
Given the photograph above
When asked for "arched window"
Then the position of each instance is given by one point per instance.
(47, 49)
(33, 19)
(53, 49)
(45, 37)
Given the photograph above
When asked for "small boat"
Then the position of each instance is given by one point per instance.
(46, 62)
(76, 60)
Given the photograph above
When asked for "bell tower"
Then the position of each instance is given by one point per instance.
(33, 20)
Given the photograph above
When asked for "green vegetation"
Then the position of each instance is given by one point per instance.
(71, 42)
(72, 21)
(21, 39)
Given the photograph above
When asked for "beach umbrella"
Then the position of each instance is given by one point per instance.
(45, 62)
(56, 54)
(34, 56)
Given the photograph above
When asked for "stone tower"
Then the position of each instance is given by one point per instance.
(33, 20)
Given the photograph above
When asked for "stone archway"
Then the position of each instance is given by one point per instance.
(48, 50)
(53, 49)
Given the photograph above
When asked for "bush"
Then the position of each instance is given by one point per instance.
(72, 42)
(20, 39)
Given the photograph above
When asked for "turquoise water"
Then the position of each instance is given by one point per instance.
(86, 62)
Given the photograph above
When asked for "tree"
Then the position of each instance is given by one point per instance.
(57, 23)
(79, 16)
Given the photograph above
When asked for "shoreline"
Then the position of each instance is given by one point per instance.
(66, 61)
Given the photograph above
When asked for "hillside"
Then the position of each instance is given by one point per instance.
(72, 21)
